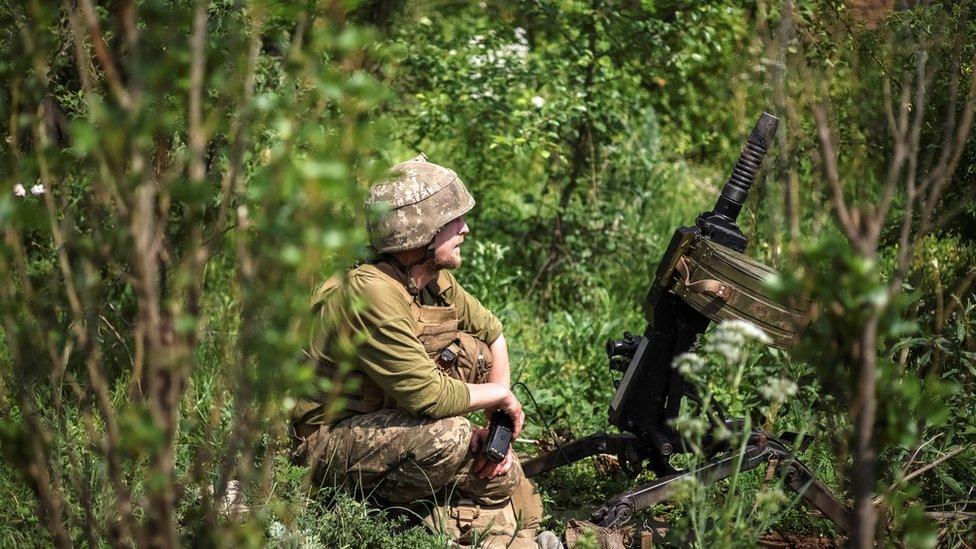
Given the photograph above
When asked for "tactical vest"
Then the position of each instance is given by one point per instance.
(456, 353)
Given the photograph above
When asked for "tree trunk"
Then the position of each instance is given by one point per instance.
(865, 410)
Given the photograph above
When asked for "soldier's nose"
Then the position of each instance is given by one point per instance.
(464, 228)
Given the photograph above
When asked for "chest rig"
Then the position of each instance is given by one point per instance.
(456, 353)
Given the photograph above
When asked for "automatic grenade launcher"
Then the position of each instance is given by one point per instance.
(702, 277)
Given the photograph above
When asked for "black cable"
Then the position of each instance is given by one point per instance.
(545, 420)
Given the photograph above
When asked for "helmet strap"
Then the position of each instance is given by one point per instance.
(404, 268)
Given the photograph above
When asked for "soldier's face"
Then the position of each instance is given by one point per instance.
(447, 244)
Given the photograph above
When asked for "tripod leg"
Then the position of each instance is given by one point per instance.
(619, 509)
(816, 495)
(597, 443)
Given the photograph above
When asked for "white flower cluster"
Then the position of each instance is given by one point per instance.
(777, 390)
(688, 364)
(513, 52)
(505, 56)
(278, 532)
(729, 339)
(21, 191)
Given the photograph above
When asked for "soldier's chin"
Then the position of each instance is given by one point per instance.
(451, 262)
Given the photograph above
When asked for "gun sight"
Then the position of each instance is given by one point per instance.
(622, 347)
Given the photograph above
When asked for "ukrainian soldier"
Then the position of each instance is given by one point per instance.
(403, 353)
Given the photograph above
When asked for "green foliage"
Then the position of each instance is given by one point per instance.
(732, 376)
(192, 172)
(156, 290)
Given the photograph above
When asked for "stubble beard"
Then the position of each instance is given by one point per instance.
(452, 262)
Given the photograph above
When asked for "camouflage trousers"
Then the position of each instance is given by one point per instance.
(402, 458)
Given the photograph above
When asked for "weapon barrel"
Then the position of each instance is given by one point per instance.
(736, 189)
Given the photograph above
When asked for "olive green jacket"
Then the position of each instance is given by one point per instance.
(363, 322)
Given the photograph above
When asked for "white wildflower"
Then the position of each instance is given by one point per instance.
(517, 51)
(276, 530)
(688, 364)
(452, 53)
(777, 390)
(748, 330)
(538, 102)
(726, 343)
(37, 190)
(730, 338)
(308, 540)
(19, 190)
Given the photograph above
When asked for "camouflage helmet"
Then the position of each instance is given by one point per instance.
(408, 210)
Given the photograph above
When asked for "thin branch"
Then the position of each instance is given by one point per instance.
(955, 300)
(920, 471)
(889, 111)
(99, 385)
(108, 192)
(57, 233)
(920, 447)
(924, 77)
(897, 162)
(949, 120)
(940, 177)
(197, 135)
(103, 54)
(829, 157)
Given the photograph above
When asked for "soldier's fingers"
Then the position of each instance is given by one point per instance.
(506, 465)
(487, 470)
(480, 463)
(518, 420)
(477, 440)
(493, 470)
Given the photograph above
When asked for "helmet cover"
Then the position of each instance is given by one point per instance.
(408, 210)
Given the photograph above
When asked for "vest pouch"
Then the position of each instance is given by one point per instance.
(724, 285)
(474, 360)
(436, 327)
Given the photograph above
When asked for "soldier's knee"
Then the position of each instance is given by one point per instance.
(444, 440)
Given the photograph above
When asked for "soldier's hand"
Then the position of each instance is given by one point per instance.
(482, 466)
(511, 406)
